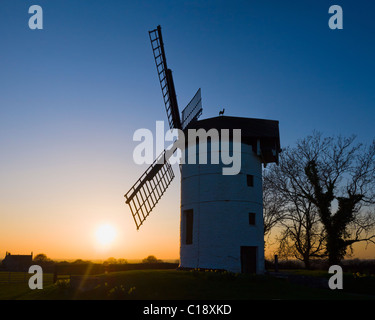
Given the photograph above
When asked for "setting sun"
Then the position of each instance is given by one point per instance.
(105, 235)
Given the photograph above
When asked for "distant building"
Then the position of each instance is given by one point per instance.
(17, 262)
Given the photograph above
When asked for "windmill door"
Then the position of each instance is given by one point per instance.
(248, 259)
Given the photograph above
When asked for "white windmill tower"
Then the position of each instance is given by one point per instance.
(221, 218)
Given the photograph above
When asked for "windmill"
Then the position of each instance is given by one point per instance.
(221, 217)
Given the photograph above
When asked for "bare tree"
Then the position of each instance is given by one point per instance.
(343, 172)
(274, 204)
(300, 233)
(332, 179)
(302, 236)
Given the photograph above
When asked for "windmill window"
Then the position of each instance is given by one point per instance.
(188, 226)
(250, 180)
(252, 218)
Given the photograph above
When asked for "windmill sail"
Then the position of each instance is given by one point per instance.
(165, 79)
(193, 110)
(149, 188)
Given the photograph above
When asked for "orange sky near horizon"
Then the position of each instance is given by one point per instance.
(61, 221)
(52, 216)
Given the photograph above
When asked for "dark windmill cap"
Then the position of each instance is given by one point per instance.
(262, 134)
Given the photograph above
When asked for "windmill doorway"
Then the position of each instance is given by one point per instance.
(248, 259)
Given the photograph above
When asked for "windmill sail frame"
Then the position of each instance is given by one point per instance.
(149, 188)
(165, 79)
(193, 110)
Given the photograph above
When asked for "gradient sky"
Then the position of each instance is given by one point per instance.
(73, 94)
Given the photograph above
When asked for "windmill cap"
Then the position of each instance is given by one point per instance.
(253, 131)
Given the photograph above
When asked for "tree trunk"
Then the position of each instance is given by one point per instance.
(306, 261)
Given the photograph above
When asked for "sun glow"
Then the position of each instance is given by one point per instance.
(105, 235)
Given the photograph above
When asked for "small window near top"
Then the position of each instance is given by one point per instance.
(250, 180)
(252, 218)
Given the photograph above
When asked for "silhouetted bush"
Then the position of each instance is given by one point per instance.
(151, 259)
(365, 266)
(141, 266)
(284, 264)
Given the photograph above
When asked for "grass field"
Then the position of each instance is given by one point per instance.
(15, 284)
(175, 285)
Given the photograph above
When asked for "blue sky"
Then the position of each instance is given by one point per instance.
(267, 59)
(73, 94)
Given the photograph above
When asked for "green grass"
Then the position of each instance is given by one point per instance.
(14, 285)
(310, 273)
(177, 285)
(352, 282)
